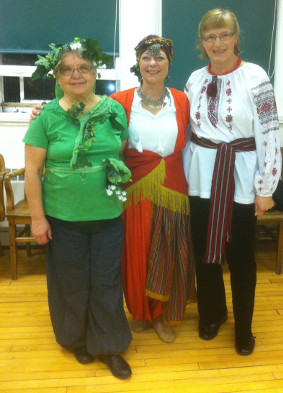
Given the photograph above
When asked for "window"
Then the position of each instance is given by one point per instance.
(19, 93)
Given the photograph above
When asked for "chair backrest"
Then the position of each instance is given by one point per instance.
(10, 201)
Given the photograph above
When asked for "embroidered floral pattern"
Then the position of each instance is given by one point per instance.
(229, 118)
(197, 114)
(264, 100)
(213, 103)
(212, 113)
(274, 171)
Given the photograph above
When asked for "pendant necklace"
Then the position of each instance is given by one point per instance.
(152, 103)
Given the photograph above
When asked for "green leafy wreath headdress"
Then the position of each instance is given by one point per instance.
(90, 49)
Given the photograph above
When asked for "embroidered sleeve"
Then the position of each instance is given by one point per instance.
(266, 129)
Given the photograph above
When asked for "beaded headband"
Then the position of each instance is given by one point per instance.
(152, 43)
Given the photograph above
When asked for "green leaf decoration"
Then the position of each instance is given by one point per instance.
(82, 160)
(115, 124)
(116, 171)
(89, 48)
(90, 133)
(73, 113)
(40, 72)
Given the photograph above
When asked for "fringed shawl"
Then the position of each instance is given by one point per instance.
(160, 180)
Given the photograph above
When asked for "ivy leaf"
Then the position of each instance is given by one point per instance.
(42, 61)
(82, 161)
(94, 50)
(117, 172)
(108, 60)
(40, 72)
(115, 124)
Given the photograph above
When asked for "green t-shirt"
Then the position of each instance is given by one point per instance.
(78, 194)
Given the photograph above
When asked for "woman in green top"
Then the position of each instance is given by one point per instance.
(76, 206)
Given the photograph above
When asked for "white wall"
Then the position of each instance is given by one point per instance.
(137, 19)
(12, 131)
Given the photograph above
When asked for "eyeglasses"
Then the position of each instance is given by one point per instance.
(84, 69)
(213, 37)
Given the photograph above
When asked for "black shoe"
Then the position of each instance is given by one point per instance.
(83, 356)
(118, 366)
(245, 348)
(208, 332)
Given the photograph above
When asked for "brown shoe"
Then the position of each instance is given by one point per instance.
(165, 333)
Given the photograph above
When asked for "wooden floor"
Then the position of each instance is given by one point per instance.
(32, 362)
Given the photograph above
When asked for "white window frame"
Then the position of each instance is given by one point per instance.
(25, 106)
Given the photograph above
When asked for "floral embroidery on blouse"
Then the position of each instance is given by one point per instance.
(213, 103)
(203, 90)
(264, 100)
(263, 96)
(229, 117)
(212, 110)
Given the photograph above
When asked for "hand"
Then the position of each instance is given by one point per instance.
(262, 204)
(35, 111)
(41, 230)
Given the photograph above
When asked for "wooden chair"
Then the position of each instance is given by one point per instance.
(2, 204)
(270, 225)
(17, 215)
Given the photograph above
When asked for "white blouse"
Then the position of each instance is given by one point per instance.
(156, 133)
(244, 107)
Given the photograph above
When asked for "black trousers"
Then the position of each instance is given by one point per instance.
(83, 266)
(241, 262)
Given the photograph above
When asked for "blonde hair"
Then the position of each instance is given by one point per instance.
(218, 18)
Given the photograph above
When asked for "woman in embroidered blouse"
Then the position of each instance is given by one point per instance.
(158, 275)
(232, 165)
(77, 138)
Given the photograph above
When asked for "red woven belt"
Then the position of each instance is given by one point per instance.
(222, 194)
